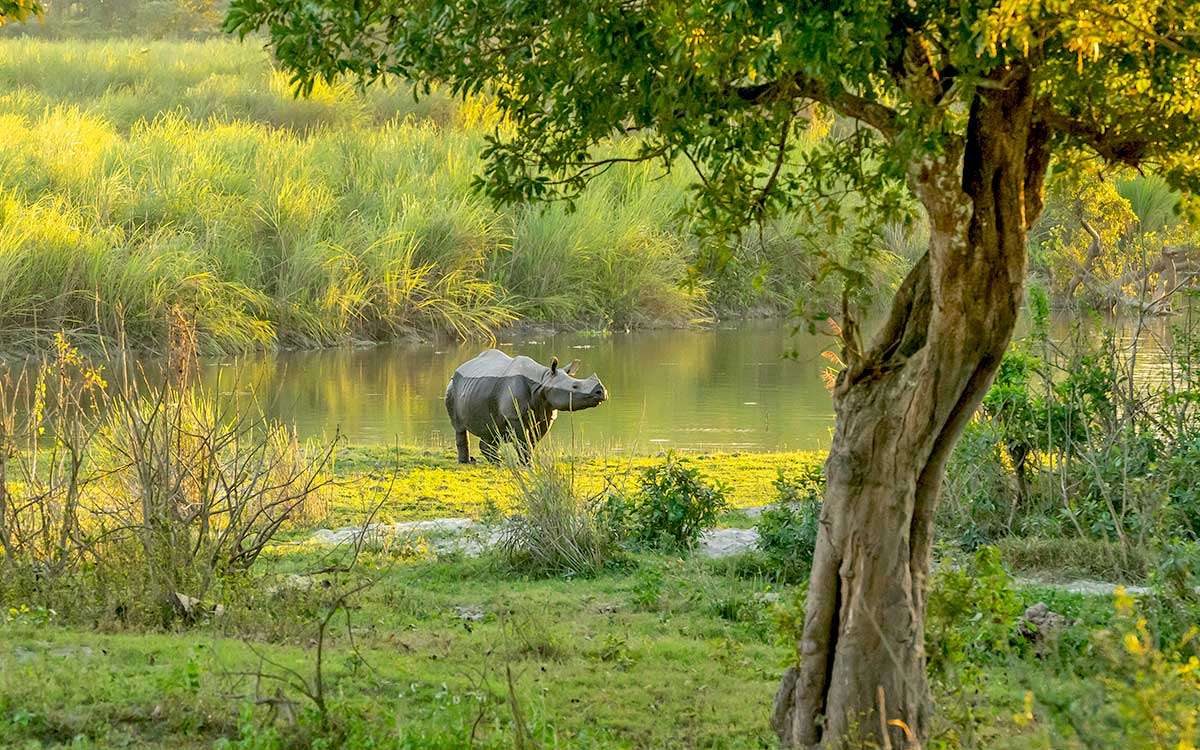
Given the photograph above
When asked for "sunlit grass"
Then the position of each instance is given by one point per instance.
(431, 484)
(136, 178)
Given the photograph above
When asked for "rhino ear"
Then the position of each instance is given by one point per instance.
(572, 368)
(554, 366)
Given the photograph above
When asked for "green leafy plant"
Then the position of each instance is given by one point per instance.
(1145, 691)
(972, 612)
(787, 531)
(674, 504)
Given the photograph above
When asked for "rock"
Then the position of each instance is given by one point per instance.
(1041, 625)
(191, 608)
(293, 582)
(377, 532)
(1090, 588)
(469, 613)
(717, 543)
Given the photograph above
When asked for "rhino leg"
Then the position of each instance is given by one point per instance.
(464, 447)
(490, 450)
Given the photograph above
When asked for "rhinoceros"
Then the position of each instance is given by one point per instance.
(515, 399)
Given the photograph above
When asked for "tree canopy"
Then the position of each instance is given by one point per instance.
(18, 10)
(724, 84)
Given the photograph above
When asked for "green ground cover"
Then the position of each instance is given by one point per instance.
(659, 649)
(667, 653)
(426, 483)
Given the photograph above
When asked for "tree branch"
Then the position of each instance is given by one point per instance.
(878, 116)
(1116, 149)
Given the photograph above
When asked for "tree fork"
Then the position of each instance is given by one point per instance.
(900, 409)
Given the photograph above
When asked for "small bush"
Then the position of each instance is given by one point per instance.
(674, 504)
(972, 612)
(648, 589)
(556, 531)
(1144, 692)
(976, 491)
(787, 531)
(139, 498)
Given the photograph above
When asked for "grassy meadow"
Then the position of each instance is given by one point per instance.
(145, 180)
(425, 648)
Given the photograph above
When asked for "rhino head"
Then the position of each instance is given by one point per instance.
(565, 392)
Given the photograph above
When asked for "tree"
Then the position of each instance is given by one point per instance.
(18, 10)
(962, 103)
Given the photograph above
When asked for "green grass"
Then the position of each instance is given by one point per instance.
(664, 653)
(432, 484)
(654, 651)
(590, 665)
(141, 177)
(416, 483)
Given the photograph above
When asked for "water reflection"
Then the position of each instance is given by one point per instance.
(730, 388)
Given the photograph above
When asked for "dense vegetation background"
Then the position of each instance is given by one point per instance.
(183, 178)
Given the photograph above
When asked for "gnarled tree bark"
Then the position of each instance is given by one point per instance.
(900, 407)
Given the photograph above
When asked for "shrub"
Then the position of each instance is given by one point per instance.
(977, 496)
(1143, 695)
(555, 531)
(674, 504)
(136, 497)
(971, 614)
(787, 531)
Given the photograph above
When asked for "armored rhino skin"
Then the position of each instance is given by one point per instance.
(497, 397)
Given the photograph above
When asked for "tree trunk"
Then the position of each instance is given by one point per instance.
(900, 407)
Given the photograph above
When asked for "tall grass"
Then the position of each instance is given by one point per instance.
(556, 531)
(140, 178)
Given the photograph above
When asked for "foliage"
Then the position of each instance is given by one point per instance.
(978, 504)
(18, 10)
(193, 179)
(555, 531)
(139, 498)
(1145, 693)
(1139, 670)
(724, 85)
(673, 504)
(1092, 435)
(972, 613)
(787, 531)
(1113, 243)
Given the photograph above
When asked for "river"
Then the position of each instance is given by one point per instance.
(728, 388)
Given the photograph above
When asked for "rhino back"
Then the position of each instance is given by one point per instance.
(494, 363)
(479, 404)
(491, 389)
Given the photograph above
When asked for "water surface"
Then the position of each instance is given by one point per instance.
(729, 388)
